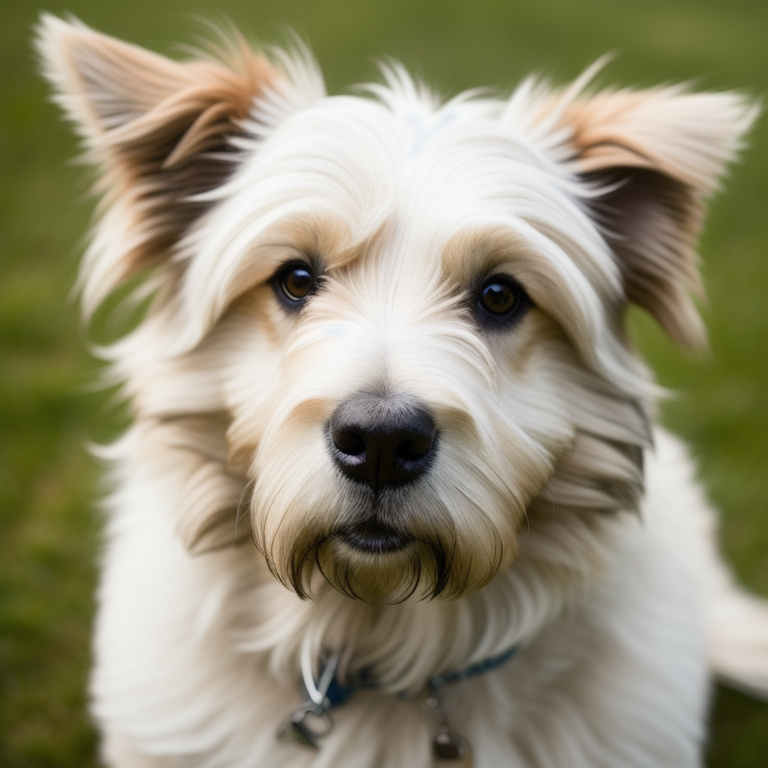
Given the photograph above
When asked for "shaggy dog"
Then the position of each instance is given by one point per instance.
(386, 345)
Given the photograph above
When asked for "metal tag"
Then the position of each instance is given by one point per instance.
(448, 745)
(312, 720)
(307, 725)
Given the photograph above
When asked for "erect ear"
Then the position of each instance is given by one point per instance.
(658, 155)
(159, 130)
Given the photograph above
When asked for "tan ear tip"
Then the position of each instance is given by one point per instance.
(53, 32)
(47, 43)
(53, 27)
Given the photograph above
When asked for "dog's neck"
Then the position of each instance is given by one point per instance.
(403, 646)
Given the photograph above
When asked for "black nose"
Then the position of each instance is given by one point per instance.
(382, 440)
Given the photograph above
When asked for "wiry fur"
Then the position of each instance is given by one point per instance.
(553, 518)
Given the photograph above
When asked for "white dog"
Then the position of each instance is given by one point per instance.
(386, 344)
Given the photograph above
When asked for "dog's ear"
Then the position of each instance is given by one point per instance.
(159, 131)
(657, 155)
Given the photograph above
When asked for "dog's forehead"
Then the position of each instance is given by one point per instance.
(428, 171)
(450, 191)
(406, 146)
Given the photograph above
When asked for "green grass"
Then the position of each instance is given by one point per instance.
(49, 533)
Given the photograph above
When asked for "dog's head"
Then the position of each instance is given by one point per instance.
(395, 328)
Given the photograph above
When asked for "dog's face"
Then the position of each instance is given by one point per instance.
(427, 332)
(404, 321)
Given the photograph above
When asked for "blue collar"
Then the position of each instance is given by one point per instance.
(327, 694)
(478, 668)
(336, 694)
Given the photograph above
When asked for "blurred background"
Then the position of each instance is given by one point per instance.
(49, 527)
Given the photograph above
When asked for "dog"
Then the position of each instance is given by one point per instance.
(393, 494)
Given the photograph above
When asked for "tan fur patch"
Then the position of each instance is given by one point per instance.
(158, 129)
(656, 166)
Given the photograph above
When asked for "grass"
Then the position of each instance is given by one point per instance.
(49, 530)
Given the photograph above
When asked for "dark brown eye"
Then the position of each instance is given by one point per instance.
(500, 299)
(295, 282)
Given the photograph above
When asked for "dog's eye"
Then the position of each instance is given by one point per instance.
(294, 283)
(500, 299)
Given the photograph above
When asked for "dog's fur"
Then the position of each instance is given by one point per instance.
(549, 514)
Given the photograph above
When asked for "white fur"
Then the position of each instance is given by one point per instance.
(615, 603)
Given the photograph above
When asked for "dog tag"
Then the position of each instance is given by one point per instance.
(312, 720)
(449, 746)
(306, 726)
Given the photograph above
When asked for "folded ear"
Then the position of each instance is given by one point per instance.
(657, 155)
(159, 131)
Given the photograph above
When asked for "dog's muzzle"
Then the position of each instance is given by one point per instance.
(381, 442)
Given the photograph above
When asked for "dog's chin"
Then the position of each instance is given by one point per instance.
(382, 565)
(375, 538)
(375, 564)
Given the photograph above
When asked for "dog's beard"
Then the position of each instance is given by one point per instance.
(386, 547)
(396, 545)
(421, 568)
(443, 535)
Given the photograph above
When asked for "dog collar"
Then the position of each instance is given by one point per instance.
(337, 694)
(313, 720)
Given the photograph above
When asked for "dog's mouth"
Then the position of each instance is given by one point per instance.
(375, 538)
